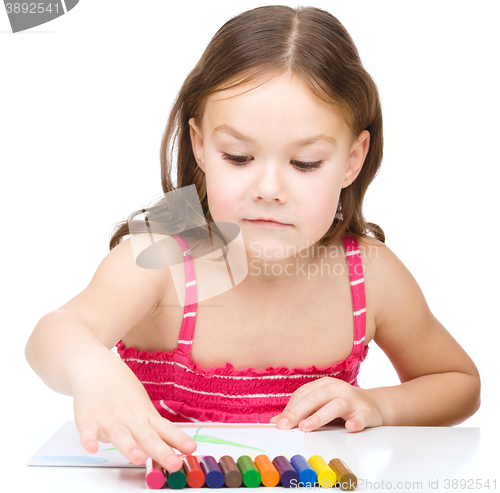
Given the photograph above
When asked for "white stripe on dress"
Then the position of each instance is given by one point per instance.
(263, 377)
(190, 314)
(352, 252)
(180, 341)
(190, 283)
(358, 281)
(164, 406)
(194, 419)
(187, 252)
(360, 341)
(359, 312)
(219, 394)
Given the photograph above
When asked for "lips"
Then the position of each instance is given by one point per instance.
(268, 223)
(269, 219)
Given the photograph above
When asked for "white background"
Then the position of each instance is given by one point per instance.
(83, 103)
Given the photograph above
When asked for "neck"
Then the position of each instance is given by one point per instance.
(269, 273)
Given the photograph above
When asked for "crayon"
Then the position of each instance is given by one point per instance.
(348, 481)
(155, 474)
(327, 477)
(177, 480)
(251, 476)
(288, 475)
(195, 477)
(213, 475)
(232, 475)
(307, 475)
(268, 473)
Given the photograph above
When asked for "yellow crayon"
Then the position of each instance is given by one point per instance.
(327, 477)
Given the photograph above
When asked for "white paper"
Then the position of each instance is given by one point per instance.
(216, 439)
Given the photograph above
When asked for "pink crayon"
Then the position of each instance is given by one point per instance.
(155, 474)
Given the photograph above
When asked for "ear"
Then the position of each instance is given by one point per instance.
(357, 156)
(197, 143)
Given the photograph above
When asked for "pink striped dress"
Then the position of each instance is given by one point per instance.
(181, 390)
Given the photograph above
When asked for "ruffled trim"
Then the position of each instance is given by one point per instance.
(177, 356)
(184, 413)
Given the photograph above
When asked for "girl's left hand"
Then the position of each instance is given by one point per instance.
(321, 401)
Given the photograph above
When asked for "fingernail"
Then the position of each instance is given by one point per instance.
(283, 422)
(171, 461)
(306, 423)
(188, 444)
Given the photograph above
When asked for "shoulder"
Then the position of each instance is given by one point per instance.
(377, 258)
(406, 329)
(386, 277)
(392, 293)
(121, 292)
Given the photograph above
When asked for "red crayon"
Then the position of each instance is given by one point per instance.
(155, 474)
(194, 475)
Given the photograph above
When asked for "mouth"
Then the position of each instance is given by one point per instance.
(268, 223)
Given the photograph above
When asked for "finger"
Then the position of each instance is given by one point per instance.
(89, 432)
(335, 408)
(122, 439)
(154, 445)
(302, 391)
(304, 408)
(173, 435)
(310, 402)
(359, 421)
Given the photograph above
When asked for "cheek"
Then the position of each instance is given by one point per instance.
(320, 204)
(222, 198)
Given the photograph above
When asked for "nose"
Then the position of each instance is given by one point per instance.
(269, 183)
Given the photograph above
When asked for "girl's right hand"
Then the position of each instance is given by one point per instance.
(117, 409)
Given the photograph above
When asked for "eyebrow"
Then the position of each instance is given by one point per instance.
(226, 129)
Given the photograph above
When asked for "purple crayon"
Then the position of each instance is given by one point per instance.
(213, 475)
(288, 475)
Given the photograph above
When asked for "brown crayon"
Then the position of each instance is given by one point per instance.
(346, 478)
(232, 475)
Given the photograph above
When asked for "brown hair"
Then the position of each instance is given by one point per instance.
(268, 41)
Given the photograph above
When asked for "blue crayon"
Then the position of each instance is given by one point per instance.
(288, 475)
(214, 478)
(307, 475)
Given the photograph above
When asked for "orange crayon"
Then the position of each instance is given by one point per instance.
(269, 474)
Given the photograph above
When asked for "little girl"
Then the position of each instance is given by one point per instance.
(279, 128)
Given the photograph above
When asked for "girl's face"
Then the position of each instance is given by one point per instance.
(275, 152)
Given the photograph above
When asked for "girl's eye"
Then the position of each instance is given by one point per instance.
(236, 159)
(301, 166)
(307, 166)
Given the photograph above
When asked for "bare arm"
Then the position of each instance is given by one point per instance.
(70, 350)
(440, 385)
(64, 347)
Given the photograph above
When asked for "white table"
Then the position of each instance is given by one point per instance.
(383, 459)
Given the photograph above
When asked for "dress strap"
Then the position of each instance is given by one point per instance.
(186, 333)
(356, 277)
